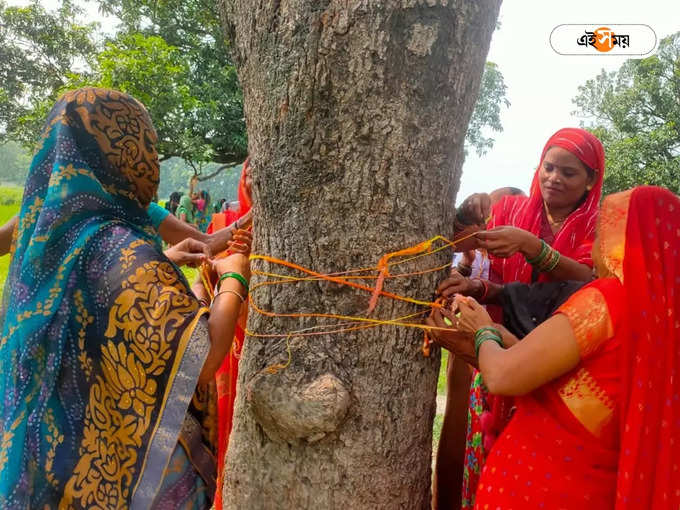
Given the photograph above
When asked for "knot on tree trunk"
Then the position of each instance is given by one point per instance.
(290, 413)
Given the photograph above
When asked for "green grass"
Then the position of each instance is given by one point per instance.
(6, 212)
(190, 273)
(11, 195)
(441, 382)
(437, 431)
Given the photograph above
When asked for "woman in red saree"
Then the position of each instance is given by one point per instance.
(227, 374)
(560, 211)
(598, 408)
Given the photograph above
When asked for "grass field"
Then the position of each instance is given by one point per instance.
(6, 212)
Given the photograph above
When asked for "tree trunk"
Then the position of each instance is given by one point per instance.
(356, 113)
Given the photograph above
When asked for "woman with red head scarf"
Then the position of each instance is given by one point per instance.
(545, 236)
(227, 374)
(597, 408)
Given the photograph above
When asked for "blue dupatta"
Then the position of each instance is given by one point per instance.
(101, 341)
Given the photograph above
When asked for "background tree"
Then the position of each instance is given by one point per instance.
(171, 54)
(636, 113)
(356, 115)
(487, 113)
(40, 53)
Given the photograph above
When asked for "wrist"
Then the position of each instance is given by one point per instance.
(232, 280)
(531, 247)
(479, 289)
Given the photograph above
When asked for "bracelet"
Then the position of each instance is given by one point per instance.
(235, 276)
(538, 259)
(487, 333)
(228, 291)
(551, 263)
(485, 286)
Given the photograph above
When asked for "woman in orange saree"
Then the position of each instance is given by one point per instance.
(599, 406)
(227, 374)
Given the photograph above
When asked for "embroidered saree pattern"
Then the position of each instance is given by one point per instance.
(589, 318)
(150, 313)
(101, 341)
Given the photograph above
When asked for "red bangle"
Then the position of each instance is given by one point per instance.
(485, 284)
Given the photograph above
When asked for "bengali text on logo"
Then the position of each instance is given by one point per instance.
(603, 39)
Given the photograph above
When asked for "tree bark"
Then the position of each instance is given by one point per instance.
(356, 113)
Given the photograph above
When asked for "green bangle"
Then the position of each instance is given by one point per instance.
(538, 259)
(484, 337)
(490, 329)
(552, 263)
(235, 276)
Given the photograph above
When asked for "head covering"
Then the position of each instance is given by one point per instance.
(96, 319)
(639, 240)
(186, 206)
(575, 238)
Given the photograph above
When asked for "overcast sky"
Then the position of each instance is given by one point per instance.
(541, 84)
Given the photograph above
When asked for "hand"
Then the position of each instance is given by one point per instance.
(241, 242)
(471, 316)
(189, 252)
(505, 241)
(461, 343)
(456, 283)
(475, 209)
(246, 220)
(234, 263)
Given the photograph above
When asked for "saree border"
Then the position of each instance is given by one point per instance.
(192, 353)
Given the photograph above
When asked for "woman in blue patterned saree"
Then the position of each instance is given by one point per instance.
(102, 344)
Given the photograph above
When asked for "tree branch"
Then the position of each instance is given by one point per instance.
(218, 170)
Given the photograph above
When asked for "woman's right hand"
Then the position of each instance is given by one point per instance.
(456, 283)
(475, 209)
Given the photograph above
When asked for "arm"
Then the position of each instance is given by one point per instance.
(224, 313)
(6, 232)
(174, 230)
(506, 241)
(458, 284)
(548, 352)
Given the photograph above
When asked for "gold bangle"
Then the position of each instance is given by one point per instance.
(228, 291)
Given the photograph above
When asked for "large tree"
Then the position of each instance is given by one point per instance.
(635, 111)
(356, 116)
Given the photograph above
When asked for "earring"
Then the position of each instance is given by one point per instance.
(589, 187)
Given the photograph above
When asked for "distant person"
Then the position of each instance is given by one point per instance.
(186, 210)
(173, 202)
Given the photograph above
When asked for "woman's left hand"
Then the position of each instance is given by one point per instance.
(460, 343)
(241, 242)
(505, 241)
(189, 252)
(472, 315)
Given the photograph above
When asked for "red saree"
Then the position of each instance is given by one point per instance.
(575, 238)
(227, 374)
(488, 415)
(602, 435)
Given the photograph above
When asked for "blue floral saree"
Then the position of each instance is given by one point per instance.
(101, 340)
